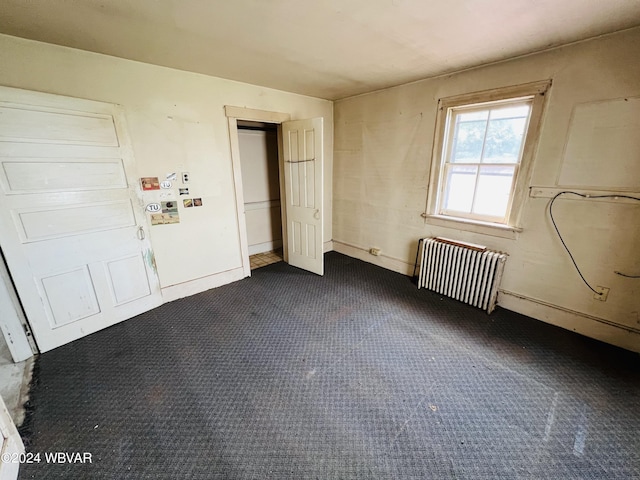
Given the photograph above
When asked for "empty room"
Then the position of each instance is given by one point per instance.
(388, 239)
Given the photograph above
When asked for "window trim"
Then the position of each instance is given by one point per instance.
(535, 90)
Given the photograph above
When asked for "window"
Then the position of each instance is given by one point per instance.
(482, 154)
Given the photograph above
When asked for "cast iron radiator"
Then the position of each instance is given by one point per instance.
(464, 271)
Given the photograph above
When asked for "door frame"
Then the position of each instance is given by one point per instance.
(10, 444)
(14, 325)
(234, 114)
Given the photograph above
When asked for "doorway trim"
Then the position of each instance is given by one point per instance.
(14, 325)
(234, 114)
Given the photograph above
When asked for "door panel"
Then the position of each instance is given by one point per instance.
(49, 223)
(72, 225)
(70, 296)
(42, 175)
(17, 123)
(128, 279)
(303, 177)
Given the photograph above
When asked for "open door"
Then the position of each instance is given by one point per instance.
(302, 155)
(72, 227)
(12, 447)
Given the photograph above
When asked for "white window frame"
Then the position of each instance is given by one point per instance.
(536, 92)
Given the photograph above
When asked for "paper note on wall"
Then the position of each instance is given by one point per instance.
(169, 214)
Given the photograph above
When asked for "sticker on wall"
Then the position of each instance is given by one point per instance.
(153, 207)
(150, 183)
(187, 202)
(172, 176)
(165, 184)
(197, 202)
(169, 214)
(183, 191)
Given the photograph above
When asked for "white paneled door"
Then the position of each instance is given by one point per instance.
(72, 226)
(302, 163)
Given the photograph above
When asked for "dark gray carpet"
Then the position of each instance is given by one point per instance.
(358, 374)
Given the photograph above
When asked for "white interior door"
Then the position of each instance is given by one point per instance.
(12, 446)
(302, 164)
(72, 227)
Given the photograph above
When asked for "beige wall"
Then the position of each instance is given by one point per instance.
(383, 146)
(382, 153)
(177, 123)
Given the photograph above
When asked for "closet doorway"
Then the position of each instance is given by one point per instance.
(300, 169)
(258, 146)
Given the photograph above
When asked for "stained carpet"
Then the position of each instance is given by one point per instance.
(357, 374)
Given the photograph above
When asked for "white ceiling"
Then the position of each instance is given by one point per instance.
(324, 48)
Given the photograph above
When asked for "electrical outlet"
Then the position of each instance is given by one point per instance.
(185, 177)
(374, 251)
(603, 293)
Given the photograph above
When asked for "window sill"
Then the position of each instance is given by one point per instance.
(484, 228)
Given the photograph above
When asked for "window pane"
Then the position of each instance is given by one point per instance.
(468, 136)
(494, 188)
(505, 134)
(521, 110)
(458, 194)
(472, 116)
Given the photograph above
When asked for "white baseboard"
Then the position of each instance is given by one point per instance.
(198, 285)
(593, 327)
(268, 246)
(265, 247)
(384, 261)
(587, 325)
